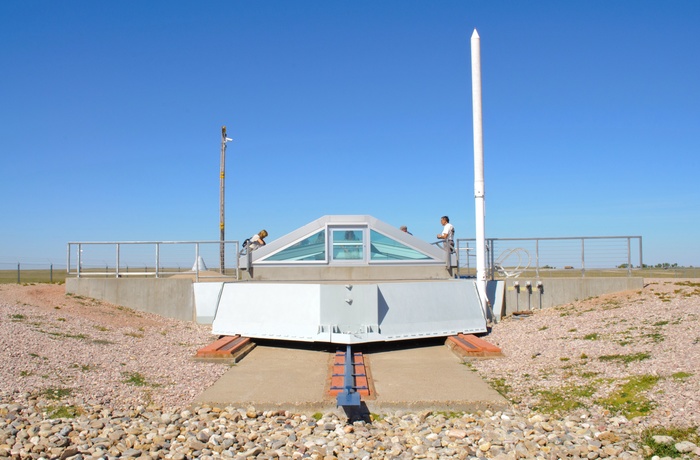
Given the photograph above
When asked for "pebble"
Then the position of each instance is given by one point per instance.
(206, 432)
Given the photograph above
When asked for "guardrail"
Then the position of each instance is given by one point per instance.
(510, 257)
(151, 258)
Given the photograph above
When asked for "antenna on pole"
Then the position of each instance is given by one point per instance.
(222, 246)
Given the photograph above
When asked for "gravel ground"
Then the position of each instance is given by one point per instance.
(601, 343)
(100, 353)
(129, 379)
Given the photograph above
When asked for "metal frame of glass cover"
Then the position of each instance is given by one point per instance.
(352, 243)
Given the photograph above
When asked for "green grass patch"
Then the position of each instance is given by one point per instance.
(660, 323)
(448, 414)
(593, 336)
(83, 367)
(63, 411)
(655, 337)
(629, 399)
(57, 393)
(67, 336)
(317, 416)
(18, 317)
(136, 379)
(134, 334)
(668, 450)
(626, 359)
(681, 375)
(564, 399)
(500, 385)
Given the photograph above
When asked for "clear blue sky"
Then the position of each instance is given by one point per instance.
(111, 116)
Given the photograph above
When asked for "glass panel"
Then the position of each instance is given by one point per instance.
(385, 248)
(310, 248)
(347, 245)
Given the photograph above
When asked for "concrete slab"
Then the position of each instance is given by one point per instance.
(428, 378)
(273, 378)
(419, 378)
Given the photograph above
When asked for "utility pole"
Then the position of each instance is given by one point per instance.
(222, 266)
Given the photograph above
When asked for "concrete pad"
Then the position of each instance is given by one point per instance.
(273, 378)
(428, 378)
(420, 378)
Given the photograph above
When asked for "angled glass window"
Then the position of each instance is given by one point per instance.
(385, 248)
(310, 248)
(348, 244)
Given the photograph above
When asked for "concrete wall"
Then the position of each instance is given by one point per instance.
(174, 298)
(168, 297)
(349, 273)
(559, 291)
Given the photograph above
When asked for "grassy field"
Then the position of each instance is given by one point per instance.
(59, 275)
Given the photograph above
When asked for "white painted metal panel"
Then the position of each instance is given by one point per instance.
(348, 314)
(270, 310)
(206, 299)
(424, 309)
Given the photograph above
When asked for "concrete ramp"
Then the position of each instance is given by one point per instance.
(342, 313)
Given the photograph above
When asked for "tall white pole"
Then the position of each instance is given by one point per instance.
(479, 203)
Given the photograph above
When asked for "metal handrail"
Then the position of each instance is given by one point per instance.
(158, 270)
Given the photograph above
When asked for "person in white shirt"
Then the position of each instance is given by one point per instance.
(448, 232)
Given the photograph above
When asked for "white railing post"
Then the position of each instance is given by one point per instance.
(116, 275)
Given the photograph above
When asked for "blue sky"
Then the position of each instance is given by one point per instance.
(111, 116)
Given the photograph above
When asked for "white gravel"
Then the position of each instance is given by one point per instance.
(561, 347)
(101, 353)
(52, 341)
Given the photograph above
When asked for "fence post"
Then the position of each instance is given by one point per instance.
(51, 273)
(196, 262)
(629, 257)
(583, 258)
(17, 272)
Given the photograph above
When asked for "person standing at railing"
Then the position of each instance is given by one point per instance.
(257, 240)
(448, 233)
